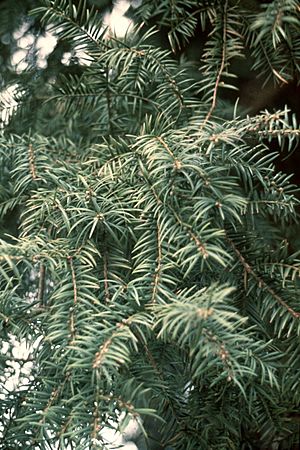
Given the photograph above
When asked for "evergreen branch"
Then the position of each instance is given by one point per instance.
(157, 272)
(221, 69)
(32, 162)
(222, 352)
(100, 355)
(273, 70)
(105, 272)
(96, 419)
(64, 427)
(294, 269)
(41, 288)
(177, 163)
(261, 282)
(55, 393)
(121, 331)
(75, 300)
(200, 245)
(283, 132)
(163, 384)
(126, 231)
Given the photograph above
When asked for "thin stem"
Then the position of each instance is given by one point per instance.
(222, 66)
(31, 157)
(41, 289)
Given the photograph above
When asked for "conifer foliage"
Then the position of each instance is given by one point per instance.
(152, 273)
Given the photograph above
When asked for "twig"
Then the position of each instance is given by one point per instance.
(96, 421)
(188, 228)
(218, 79)
(32, 162)
(177, 163)
(41, 289)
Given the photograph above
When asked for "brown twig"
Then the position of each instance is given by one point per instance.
(101, 353)
(32, 162)
(177, 163)
(222, 66)
(41, 288)
(103, 349)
